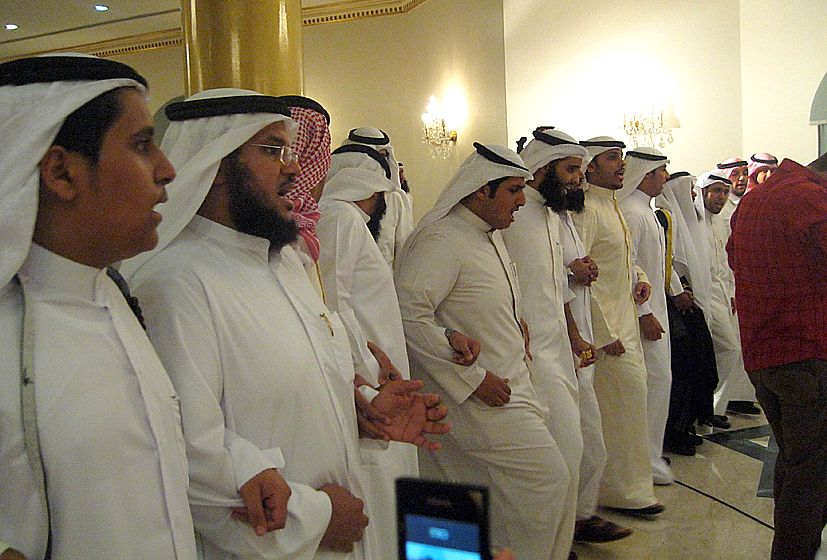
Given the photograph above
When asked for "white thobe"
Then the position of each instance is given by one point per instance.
(733, 382)
(397, 224)
(619, 381)
(533, 241)
(729, 208)
(458, 274)
(266, 381)
(358, 283)
(648, 246)
(591, 426)
(108, 417)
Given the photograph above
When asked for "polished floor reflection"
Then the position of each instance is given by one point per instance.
(714, 511)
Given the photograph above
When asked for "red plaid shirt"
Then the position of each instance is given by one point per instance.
(778, 251)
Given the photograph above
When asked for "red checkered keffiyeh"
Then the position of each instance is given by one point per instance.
(312, 145)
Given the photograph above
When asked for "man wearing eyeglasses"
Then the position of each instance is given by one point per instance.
(263, 368)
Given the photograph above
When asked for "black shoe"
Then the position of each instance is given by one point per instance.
(719, 421)
(743, 407)
(654, 509)
(695, 439)
(678, 446)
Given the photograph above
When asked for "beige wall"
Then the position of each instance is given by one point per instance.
(740, 75)
(381, 71)
(163, 68)
(784, 58)
(581, 66)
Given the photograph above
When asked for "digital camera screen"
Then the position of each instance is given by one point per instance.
(431, 538)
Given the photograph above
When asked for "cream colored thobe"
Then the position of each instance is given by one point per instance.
(358, 281)
(533, 241)
(619, 382)
(265, 376)
(458, 274)
(109, 423)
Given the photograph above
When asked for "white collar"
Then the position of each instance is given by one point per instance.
(467, 216)
(258, 247)
(59, 275)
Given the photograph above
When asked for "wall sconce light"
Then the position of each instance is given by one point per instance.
(647, 129)
(439, 139)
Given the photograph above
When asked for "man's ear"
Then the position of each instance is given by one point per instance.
(483, 192)
(62, 172)
(591, 167)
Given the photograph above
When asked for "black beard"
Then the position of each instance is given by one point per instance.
(250, 215)
(576, 200)
(375, 222)
(553, 191)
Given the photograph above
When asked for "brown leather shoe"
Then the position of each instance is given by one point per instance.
(597, 529)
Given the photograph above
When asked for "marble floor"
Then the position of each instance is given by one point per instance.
(712, 512)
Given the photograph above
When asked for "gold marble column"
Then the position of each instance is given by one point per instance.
(252, 45)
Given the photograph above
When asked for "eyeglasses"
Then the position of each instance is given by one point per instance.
(284, 154)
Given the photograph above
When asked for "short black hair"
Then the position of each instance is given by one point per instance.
(84, 129)
(494, 184)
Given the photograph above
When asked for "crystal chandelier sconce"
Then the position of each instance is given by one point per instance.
(647, 129)
(439, 139)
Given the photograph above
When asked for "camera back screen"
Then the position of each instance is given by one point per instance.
(431, 538)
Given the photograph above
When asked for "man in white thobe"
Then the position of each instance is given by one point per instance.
(397, 222)
(533, 241)
(358, 284)
(736, 170)
(620, 372)
(733, 382)
(92, 461)
(742, 174)
(455, 277)
(262, 366)
(645, 176)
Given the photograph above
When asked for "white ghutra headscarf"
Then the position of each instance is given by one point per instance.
(551, 145)
(360, 175)
(639, 162)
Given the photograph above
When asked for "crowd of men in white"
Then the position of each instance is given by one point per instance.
(266, 407)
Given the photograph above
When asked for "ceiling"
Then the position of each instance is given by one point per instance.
(46, 25)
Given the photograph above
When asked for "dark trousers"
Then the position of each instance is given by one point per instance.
(694, 374)
(794, 398)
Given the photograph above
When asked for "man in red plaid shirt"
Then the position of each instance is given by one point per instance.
(778, 251)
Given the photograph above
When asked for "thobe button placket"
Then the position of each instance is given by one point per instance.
(510, 272)
(625, 235)
(554, 245)
(162, 426)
